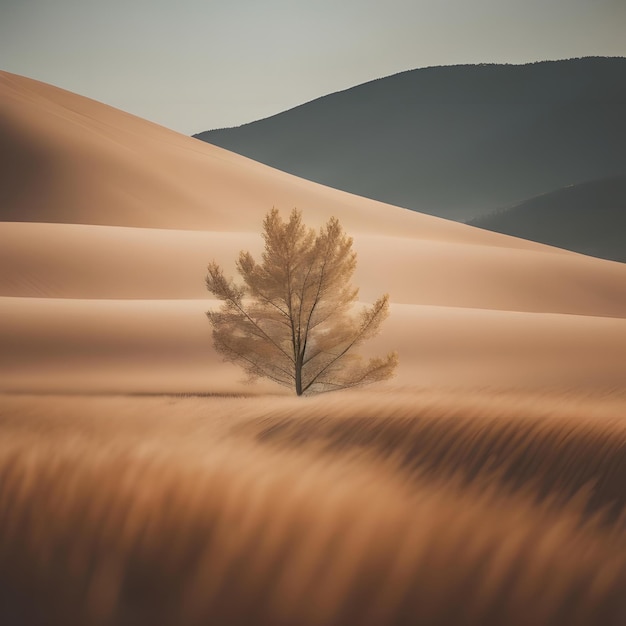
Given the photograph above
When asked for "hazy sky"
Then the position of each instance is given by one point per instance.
(193, 65)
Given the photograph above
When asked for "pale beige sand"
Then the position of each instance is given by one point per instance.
(75, 160)
(83, 261)
(111, 297)
(165, 345)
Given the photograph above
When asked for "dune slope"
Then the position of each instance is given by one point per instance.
(108, 222)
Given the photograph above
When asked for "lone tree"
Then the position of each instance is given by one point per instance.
(291, 319)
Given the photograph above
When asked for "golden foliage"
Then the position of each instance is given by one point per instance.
(291, 319)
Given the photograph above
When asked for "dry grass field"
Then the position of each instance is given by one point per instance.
(353, 508)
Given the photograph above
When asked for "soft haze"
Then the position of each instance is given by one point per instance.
(194, 65)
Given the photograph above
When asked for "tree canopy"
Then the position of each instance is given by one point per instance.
(292, 319)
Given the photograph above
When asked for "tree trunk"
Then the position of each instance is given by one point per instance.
(299, 375)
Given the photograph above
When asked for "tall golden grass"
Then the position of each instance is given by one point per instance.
(364, 508)
(556, 457)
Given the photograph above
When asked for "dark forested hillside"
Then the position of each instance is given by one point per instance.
(458, 141)
(588, 218)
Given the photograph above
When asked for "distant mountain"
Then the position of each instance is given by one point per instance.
(588, 218)
(456, 142)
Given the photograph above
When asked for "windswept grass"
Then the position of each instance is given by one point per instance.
(351, 509)
(552, 457)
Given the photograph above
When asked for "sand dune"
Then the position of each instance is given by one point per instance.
(110, 221)
(490, 471)
(84, 261)
(165, 345)
(73, 160)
